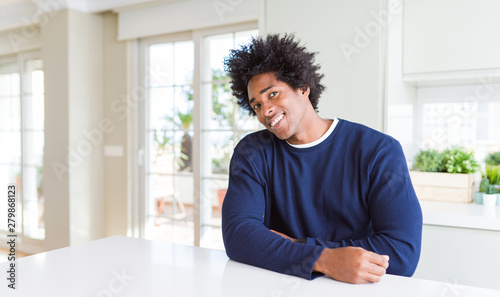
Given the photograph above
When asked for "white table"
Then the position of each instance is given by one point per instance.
(121, 266)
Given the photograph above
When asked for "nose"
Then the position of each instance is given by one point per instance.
(267, 108)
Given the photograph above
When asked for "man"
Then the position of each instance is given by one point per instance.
(311, 196)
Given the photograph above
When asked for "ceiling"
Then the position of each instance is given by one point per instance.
(15, 13)
(91, 6)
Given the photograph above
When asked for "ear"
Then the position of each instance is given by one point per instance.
(305, 90)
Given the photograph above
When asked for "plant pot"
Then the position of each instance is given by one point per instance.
(478, 197)
(439, 186)
(221, 194)
(498, 195)
(489, 200)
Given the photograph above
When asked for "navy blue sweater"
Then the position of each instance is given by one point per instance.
(352, 189)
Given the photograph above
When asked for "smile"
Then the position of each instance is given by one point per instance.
(277, 119)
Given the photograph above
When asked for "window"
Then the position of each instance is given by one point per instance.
(22, 134)
(190, 125)
(445, 116)
(224, 124)
(474, 125)
(169, 170)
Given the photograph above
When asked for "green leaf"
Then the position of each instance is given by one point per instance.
(493, 159)
(429, 161)
(493, 174)
(459, 160)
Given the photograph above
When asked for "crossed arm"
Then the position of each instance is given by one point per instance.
(349, 264)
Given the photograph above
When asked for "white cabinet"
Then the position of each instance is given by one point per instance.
(451, 38)
(460, 256)
(352, 80)
(460, 244)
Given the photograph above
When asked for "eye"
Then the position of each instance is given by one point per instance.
(271, 95)
(256, 106)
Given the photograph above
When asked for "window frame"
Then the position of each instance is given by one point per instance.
(139, 120)
(29, 244)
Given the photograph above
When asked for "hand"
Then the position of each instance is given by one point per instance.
(352, 265)
(283, 235)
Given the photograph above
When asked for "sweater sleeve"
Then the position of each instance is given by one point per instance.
(394, 210)
(246, 237)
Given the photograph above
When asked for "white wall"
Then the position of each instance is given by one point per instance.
(351, 59)
(73, 178)
(86, 121)
(56, 80)
(116, 193)
(86, 78)
(18, 40)
(400, 97)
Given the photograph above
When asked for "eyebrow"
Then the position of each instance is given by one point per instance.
(261, 92)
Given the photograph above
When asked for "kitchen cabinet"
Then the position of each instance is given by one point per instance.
(451, 40)
(460, 244)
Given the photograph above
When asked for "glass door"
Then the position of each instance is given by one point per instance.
(22, 143)
(224, 124)
(169, 142)
(190, 125)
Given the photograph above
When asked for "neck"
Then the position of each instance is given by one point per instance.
(313, 127)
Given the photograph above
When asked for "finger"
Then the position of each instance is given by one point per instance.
(366, 277)
(373, 278)
(376, 269)
(386, 261)
(381, 260)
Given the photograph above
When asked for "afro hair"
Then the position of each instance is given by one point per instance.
(284, 56)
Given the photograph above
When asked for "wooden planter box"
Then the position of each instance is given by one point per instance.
(438, 186)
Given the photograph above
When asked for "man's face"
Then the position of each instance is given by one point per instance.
(277, 106)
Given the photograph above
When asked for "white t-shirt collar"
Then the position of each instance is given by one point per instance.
(319, 140)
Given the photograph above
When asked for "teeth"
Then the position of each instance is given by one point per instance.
(277, 120)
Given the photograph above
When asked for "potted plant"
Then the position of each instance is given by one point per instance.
(493, 159)
(459, 160)
(478, 196)
(489, 193)
(444, 176)
(429, 161)
(492, 174)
